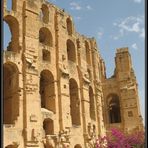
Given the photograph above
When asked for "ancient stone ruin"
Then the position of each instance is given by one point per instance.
(56, 94)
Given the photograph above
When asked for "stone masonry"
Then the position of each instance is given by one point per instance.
(56, 94)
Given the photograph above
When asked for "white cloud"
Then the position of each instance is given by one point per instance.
(100, 34)
(75, 6)
(134, 46)
(137, 1)
(88, 7)
(142, 34)
(116, 37)
(78, 18)
(131, 24)
(136, 27)
(115, 24)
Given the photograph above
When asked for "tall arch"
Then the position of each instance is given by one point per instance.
(87, 53)
(47, 90)
(45, 13)
(92, 104)
(77, 146)
(14, 29)
(45, 37)
(71, 51)
(48, 126)
(69, 26)
(11, 96)
(11, 146)
(74, 102)
(48, 146)
(114, 109)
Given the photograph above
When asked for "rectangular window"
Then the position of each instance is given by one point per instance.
(130, 114)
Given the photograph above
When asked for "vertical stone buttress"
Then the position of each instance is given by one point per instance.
(124, 72)
(12, 58)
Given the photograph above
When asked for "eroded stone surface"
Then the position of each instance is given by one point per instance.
(56, 94)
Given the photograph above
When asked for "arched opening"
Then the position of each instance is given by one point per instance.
(47, 90)
(87, 53)
(114, 109)
(48, 126)
(45, 13)
(14, 30)
(11, 146)
(11, 96)
(11, 5)
(71, 51)
(46, 55)
(45, 36)
(48, 146)
(92, 104)
(74, 102)
(94, 128)
(77, 146)
(69, 26)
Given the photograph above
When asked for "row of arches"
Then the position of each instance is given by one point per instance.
(11, 5)
(71, 51)
(47, 89)
(47, 95)
(45, 38)
(45, 19)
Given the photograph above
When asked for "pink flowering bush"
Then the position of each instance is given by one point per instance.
(117, 139)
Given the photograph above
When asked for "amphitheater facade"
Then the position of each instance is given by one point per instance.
(56, 94)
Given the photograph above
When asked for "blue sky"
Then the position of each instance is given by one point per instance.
(114, 24)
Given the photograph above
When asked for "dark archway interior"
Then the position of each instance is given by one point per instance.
(45, 13)
(114, 110)
(71, 51)
(47, 90)
(92, 104)
(74, 102)
(45, 36)
(87, 53)
(48, 127)
(78, 146)
(11, 146)
(69, 26)
(11, 96)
